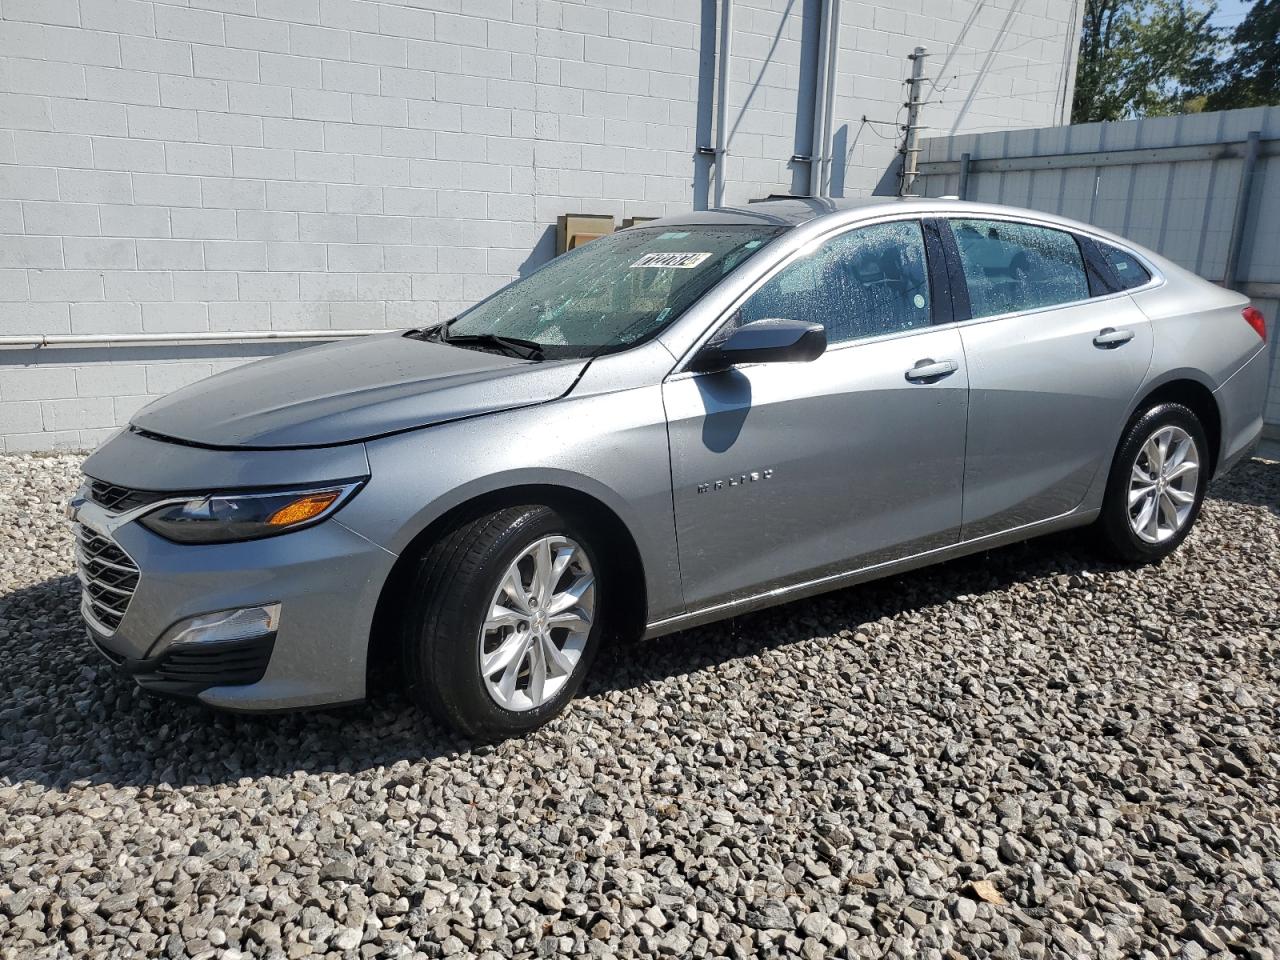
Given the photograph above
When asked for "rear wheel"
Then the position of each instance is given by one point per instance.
(504, 622)
(1156, 486)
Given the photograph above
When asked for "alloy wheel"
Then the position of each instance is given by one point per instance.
(537, 624)
(1163, 484)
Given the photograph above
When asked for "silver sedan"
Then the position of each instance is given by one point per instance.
(673, 424)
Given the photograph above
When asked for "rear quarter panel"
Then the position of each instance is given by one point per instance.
(1197, 325)
(1200, 335)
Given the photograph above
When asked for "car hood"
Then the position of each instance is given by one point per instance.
(352, 390)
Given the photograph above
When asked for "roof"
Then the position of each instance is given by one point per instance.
(797, 212)
(788, 213)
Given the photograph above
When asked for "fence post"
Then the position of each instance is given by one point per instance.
(1252, 146)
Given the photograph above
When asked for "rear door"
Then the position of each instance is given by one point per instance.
(784, 472)
(1052, 371)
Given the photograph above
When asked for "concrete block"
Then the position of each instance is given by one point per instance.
(106, 317)
(235, 254)
(201, 159)
(19, 319)
(299, 196)
(38, 252)
(266, 225)
(182, 23)
(134, 221)
(155, 55)
(60, 286)
(225, 63)
(37, 382)
(256, 33)
(89, 116)
(296, 256)
(65, 12)
(49, 218)
(20, 416)
(260, 99)
(138, 285)
(291, 134)
(111, 380)
(205, 285)
(164, 378)
(269, 286)
(42, 78)
(190, 224)
(170, 255)
(193, 93)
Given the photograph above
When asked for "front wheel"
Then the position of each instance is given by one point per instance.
(504, 622)
(1157, 484)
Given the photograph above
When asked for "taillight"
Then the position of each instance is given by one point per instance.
(1254, 318)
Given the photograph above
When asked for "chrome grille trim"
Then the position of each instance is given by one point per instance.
(117, 499)
(108, 578)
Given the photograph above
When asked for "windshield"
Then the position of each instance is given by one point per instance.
(609, 294)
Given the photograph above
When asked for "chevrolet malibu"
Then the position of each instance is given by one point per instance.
(674, 424)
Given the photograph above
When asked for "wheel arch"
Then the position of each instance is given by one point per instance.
(618, 551)
(1194, 394)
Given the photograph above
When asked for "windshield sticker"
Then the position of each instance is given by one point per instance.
(672, 261)
(674, 235)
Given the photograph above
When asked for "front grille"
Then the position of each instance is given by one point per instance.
(118, 499)
(107, 578)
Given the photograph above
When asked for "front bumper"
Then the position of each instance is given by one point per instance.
(326, 578)
(189, 669)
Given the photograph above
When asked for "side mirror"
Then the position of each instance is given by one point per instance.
(764, 341)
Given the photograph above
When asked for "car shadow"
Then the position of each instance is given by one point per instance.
(54, 687)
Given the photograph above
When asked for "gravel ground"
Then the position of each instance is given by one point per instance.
(1025, 754)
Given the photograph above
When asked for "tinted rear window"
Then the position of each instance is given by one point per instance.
(1129, 273)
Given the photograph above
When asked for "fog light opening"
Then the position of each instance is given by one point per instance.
(247, 623)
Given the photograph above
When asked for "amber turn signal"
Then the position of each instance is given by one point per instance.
(304, 508)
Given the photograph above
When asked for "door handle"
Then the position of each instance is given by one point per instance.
(1109, 337)
(929, 370)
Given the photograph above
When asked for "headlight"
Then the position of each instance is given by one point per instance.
(222, 518)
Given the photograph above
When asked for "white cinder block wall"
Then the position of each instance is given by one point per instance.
(239, 165)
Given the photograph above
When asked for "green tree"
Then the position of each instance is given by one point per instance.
(1145, 58)
(1252, 74)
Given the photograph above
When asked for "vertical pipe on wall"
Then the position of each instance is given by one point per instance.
(1252, 145)
(821, 100)
(962, 191)
(722, 95)
(833, 72)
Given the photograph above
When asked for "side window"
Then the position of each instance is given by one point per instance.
(1128, 271)
(1009, 267)
(863, 283)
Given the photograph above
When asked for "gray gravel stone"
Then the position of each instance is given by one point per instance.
(1030, 753)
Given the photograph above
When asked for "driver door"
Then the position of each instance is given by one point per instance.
(785, 472)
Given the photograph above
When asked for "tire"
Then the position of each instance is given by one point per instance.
(1119, 528)
(455, 586)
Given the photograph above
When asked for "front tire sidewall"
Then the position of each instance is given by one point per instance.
(1117, 531)
(455, 660)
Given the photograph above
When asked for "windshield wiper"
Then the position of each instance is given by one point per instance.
(512, 346)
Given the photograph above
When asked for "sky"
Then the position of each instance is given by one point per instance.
(1231, 12)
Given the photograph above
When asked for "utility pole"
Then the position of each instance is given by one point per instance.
(911, 136)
